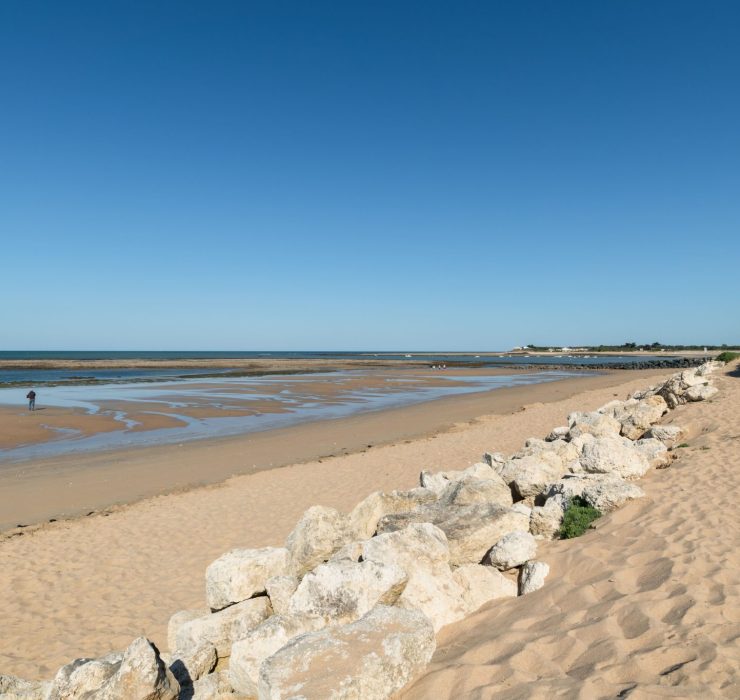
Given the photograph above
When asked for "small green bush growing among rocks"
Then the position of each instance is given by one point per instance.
(728, 356)
(578, 516)
(683, 444)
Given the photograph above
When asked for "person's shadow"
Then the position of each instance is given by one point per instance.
(735, 372)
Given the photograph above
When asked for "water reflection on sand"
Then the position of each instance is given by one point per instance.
(176, 411)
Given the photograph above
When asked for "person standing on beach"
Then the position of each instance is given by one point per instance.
(31, 396)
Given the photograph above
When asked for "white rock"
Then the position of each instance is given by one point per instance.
(273, 634)
(532, 576)
(470, 530)
(363, 520)
(558, 433)
(178, 620)
(280, 590)
(545, 521)
(512, 550)
(615, 455)
(188, 668)
(242, 573)
(475, 490)
(437, 595)
(14, 688)
(141, 675)
(222, 628)
(609, 494)
(592, 423)
(216, 686)
(669, 435)
(530, 474)
(319, 533)
(343, 591)
(83, 676)
(636, 417)
(419, 545)
(701, 392)
(522, 509)
(495, 460)
(370, 659)
(481, 584)
(654, 451)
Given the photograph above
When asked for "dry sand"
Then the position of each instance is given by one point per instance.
(654, 590)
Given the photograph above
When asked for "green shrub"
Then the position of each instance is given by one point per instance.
(683, 444)
(578, 516)
(728, 356)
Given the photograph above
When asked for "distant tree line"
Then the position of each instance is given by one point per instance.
(632, 346)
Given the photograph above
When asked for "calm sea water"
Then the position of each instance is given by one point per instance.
(41, 376)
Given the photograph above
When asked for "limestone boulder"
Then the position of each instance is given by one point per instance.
(512, 550)
(188, 668)
(471, 530)
(607, 495)
(279, 590)
(81, 677)
(475, 490)
(560, 433)
(141, 674)
(495, 460)
(592, 423)
(178, 620)
(273, 634)
(545, 521)
(437, 595)
(319, 533)
(417, 546)
(481, 584)
(702, 392)
(364, 518)
(636, 417)
(242, 573)
(532, 576)
(14, 688)
(654, 451)
(371, 659)
(669, 435)
(528, 475)
(605, 492)
(222, 628)
(613, 455)
(216, 686)
(343, 591)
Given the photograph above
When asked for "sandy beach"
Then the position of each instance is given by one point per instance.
(89, 585)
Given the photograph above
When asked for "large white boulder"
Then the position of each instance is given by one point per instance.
(636, 417)
(14, 688)
(475, 490)
(532, 576)
(279, 590)
(82, 676)
(178, 620)
(242, 573)
(247, 654)
(216, 686)
(545, 521)
(592, 423)
(471, 530)
(189, 667)
(319, 533)
(528, 475)
(654, 451)
(364, 517)
(669, 435)
(343, 591)
(370, 659)
(702, 392)
(222, 628)
(513, 550)
(613, 455)
(422, 551)
(481, 584)
(605, 492)
(139, 674)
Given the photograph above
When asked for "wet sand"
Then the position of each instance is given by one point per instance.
(89, 585)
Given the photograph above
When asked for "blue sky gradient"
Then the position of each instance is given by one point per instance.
(419, 175)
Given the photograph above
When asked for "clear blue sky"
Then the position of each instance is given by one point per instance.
(367, 175)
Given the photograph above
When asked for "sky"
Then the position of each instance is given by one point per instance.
(368, 175)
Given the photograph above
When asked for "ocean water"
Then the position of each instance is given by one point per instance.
(42, 376)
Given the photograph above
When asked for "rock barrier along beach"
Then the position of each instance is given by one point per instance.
(354, 604)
